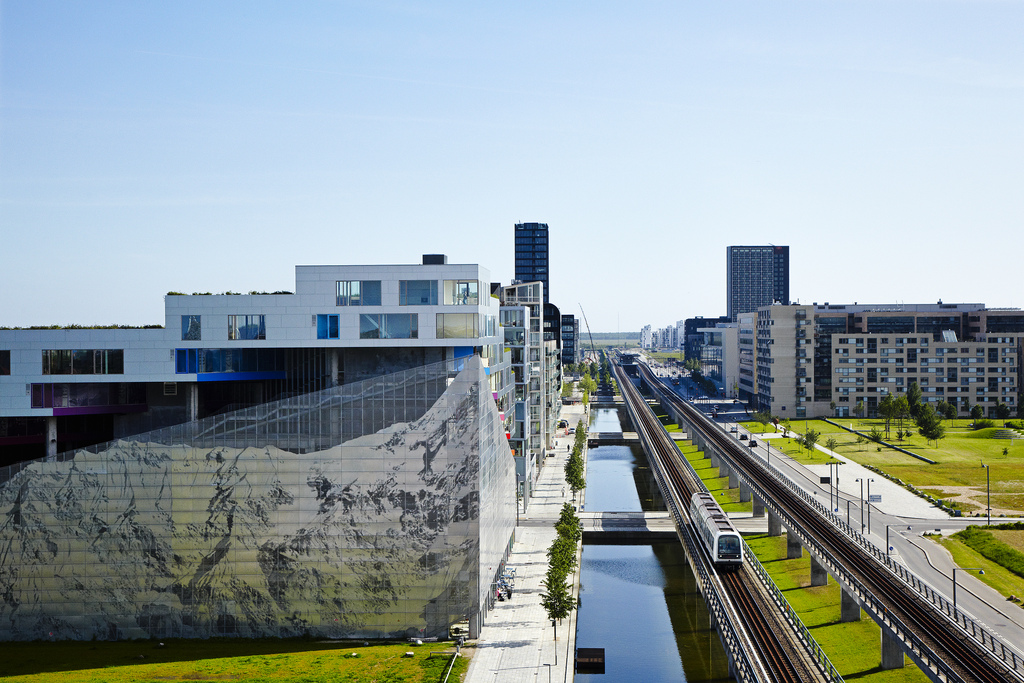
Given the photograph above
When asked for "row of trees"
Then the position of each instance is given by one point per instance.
(901, 407)
(556, 599)
(574, 465)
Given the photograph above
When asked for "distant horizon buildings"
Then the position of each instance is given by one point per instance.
(756, 276)
(532, 254)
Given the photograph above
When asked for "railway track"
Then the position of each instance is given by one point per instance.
(954, 656)
(777, 655)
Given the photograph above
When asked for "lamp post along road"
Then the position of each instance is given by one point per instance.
(869, 504)
(861, 503)
(962, 569)
(988, 490)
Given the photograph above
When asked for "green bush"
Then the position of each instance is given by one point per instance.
(997, 551)
(984, 424)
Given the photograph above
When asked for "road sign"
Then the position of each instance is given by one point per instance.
(875, 498)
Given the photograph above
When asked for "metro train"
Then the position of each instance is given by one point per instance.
(716, 532)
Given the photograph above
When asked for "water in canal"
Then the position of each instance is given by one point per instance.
(640, 602)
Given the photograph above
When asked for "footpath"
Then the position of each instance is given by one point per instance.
(516, 643)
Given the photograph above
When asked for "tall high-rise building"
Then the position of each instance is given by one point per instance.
(756, 276)
(532, 254)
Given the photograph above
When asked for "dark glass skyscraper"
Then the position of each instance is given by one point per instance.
(756, 276)
(532, 254)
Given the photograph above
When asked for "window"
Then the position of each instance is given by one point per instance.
(359, 292)
(327, 326)
(190, 361)
(389, 326)
(247, 327)
(457, 325)
(191, 329)
(5, 362)
(83, 362)
(461, 293)
(417, 292)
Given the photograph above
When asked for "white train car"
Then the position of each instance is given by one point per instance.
(716, 532)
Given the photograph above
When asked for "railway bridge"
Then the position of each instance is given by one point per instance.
(944, 642)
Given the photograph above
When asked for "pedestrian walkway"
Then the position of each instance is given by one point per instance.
(516, 643)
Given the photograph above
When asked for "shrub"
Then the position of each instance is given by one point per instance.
(984, 424)
(875, 435)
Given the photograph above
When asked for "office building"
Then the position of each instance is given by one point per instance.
(532, 254)
(756, 276)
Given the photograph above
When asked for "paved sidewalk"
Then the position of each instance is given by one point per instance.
(516, 644)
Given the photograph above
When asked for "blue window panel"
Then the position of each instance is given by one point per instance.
(327, 326)
(185, 361)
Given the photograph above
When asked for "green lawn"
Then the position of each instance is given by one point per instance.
(224, 659)
(958, 458)
(718, 486)
(852, 647)
(1002, 580)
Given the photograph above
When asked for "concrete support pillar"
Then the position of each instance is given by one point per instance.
(794, 549)
(335, 361)
(892, 652)
(723, 469)
(774, 524)
(192, 401)
(759, 507)
(715, 460)
(734, 479)
(745, 493)
(819, 577)
(849, 608)
(51, 438)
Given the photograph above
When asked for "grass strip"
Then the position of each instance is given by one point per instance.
(271, 660)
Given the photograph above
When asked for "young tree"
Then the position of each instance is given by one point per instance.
(810, 439)
(929, 425)
(914, 399)
(858, 409)
(1002, 411)
(556, 599)
(977, 412)
(950, 412)
(901, 410)
(887, 410)
(831, 444)
(942, 409)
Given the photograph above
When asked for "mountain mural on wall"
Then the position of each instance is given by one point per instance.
(376, 537)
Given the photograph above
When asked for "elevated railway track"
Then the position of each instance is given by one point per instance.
(935, 640)
(757, 645)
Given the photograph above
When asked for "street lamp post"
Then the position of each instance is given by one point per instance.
(861, 503)
(988, 491)
(962, 569)
(869, 504)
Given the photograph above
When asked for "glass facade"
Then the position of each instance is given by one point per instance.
(379, 509)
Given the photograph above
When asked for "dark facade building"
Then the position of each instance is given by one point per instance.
(532, 254)
(570, 340)
(694, 340)
(756, 276)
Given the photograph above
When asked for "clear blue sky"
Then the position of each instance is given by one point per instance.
(207, 146)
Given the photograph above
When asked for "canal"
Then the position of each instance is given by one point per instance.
(640, 602)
